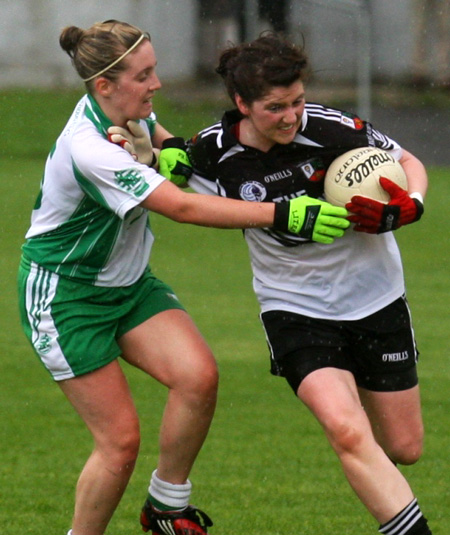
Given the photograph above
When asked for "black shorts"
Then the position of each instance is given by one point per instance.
(379, 350)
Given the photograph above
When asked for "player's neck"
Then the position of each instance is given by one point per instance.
(247, 135)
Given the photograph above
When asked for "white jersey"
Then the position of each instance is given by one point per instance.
(87, 223)
(350, 279)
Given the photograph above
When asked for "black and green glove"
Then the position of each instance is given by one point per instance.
(174, 163)
(311, 219)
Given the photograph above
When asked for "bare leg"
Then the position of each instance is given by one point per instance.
(396, 420)
(169, 347)
(332, 396)
(103, 400)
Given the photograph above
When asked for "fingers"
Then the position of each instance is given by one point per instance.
(133, 129)
(136, 129)
(325, 234)
(337, 211)
(359, 201)
(365, 213)
(119, 140)
(120, 136)
(330, 228)
(119, 131)
(331, 232)
(334, 222)
(390, 187)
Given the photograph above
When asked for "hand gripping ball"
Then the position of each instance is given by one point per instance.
(357, 172)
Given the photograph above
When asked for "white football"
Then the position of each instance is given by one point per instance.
(357, 172)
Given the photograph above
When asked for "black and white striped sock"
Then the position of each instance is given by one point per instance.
(410, 521)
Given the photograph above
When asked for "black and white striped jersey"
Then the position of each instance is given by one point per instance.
(349, 279)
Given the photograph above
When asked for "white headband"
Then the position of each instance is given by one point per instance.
(132, 47)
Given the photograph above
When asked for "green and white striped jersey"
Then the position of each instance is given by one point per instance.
(87, 224)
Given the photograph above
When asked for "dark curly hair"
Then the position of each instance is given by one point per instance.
(252, 69)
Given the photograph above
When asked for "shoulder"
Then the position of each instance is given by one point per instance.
(219, 134)
(318, 113)
(331, 126)
(210, 136)
(204, 149)
(208, 148)
(87, 144)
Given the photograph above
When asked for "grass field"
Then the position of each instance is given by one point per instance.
(265, 467)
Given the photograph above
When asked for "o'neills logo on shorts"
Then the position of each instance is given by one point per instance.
(395, 357)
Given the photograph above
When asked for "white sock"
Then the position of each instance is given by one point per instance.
(168, 494)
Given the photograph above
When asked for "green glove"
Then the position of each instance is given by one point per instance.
(174, 163)
(311, 219)
(134, 140)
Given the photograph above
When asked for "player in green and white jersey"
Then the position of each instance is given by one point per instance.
(87, 294)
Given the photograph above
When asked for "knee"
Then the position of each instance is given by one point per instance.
(346, 438)
(204, 378)
(122, 448)
(129, 446)
(406, 451)
(203, 381)
(205, 388)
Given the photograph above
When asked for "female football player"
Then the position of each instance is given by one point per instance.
(335, 315)
(87, 294)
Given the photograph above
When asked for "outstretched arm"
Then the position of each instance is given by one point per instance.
(310, 218)
(206, 210)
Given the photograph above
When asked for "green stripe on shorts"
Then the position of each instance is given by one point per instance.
(74, 327)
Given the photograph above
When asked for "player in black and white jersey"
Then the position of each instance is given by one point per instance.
(335, 314)
(87, 294)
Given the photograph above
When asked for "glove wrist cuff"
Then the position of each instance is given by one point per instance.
(419, 208)
(174, 143)
(281, 217)
(418, 196)
(154, 160)
(418, 201)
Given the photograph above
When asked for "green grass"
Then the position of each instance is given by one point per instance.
(266, 467)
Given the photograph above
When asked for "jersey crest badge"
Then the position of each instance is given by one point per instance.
(43, 345)
(131, 180)
(352, 122)
(313, 170)
(252, 191)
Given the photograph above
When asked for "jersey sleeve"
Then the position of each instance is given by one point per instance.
(203, 154)
(382, 141)
(345, 130)
(109, 175)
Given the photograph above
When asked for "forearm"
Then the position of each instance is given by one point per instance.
(415, 172)
(208, 210)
